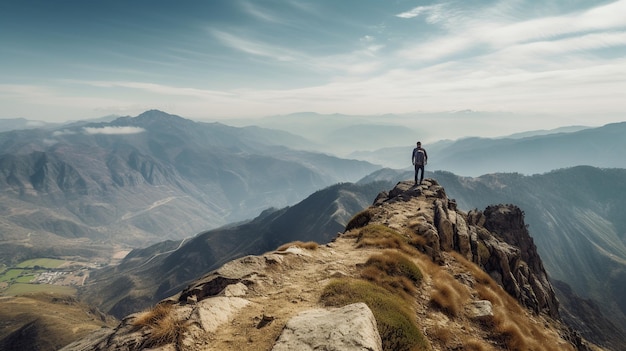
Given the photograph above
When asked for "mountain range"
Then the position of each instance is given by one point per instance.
(529, 153)
(91, 189)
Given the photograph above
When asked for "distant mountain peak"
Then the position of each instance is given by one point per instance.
(152, 118)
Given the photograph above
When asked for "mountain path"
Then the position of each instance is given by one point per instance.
(258, 325)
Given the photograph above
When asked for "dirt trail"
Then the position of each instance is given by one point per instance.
(257, 326)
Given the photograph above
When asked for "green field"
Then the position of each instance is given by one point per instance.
(10, 275)
(41, 262)
(22, 288)
(26, 278)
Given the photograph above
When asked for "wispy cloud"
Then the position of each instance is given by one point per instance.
(481, 31)
(260, 12)
(432, 12)
(256, 48)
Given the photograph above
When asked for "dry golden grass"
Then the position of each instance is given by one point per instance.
(383, 237)
(511, 321)
(476, 345)
(426, 264)
(152, 315)
(448, 294)
(309, 245)
(442, 335)
(163, 324)
(359, 220)
(394, 271)
(399, 285)
(479, 275)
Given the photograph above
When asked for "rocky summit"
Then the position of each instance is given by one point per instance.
(411, 272)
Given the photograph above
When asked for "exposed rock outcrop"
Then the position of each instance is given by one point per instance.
(495, 239)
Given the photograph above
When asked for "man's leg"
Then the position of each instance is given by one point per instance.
(421, 174)
(416, 170)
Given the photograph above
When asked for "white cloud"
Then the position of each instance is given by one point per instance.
(114, 130)
(433, 12)
(62, 132)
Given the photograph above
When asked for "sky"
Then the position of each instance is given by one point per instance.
(219, 59)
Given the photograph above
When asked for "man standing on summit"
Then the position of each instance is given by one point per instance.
(419, 159)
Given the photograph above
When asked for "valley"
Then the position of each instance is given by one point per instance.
(59, 276)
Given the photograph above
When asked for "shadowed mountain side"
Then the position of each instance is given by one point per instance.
(576, 217)
(599, 147)
(586, 316)
(139, 180)
(148, 275)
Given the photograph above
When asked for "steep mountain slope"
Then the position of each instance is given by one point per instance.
(598, 147)
(576, 217)
(410, 273)
(46, 321)
(148, 275)
(90, 189)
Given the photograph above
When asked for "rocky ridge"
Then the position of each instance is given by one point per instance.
(481, 286)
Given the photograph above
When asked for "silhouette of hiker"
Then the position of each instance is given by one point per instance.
(419, 159)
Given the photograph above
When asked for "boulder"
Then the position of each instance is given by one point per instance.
(481, 310)
(350, 328)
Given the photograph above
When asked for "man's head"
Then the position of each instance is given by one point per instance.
(419, 143)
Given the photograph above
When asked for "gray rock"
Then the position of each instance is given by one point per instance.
(481, 310)
(350, 328)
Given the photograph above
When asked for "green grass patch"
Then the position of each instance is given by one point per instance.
(394, 315)
(10, 275)
(41, 262)
(23, 288)
(25, 278)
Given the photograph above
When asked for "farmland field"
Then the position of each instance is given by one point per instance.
(22, 288)
(41, 262)
(10, 275)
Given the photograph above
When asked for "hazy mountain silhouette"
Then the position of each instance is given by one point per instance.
(8, 124)
(538, 153)
(144, 179)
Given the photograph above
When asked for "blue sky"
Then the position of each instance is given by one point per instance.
(71, 59)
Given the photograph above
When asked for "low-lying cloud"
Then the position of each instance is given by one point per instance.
(113, 130)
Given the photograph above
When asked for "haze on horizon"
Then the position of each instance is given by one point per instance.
(543, 64)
